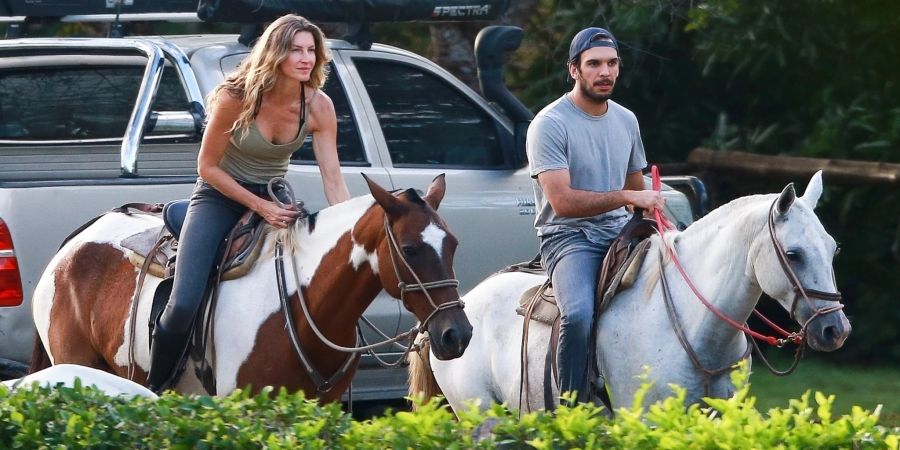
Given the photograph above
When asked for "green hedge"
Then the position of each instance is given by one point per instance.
(79, 417)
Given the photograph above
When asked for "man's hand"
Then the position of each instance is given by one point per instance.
(648, 200)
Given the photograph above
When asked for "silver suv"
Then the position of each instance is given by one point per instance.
(88, 124)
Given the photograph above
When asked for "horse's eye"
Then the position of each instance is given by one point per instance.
(409, 251)
(793, 255)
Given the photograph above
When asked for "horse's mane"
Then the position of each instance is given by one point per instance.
(737, 210)
(741, 212)
(330, 217)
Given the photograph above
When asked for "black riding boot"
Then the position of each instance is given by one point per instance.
(165, 352)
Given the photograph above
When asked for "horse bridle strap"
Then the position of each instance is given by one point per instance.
(322, 385)
(409, 335)
(688, 348)
(396, 253)
(795, 280)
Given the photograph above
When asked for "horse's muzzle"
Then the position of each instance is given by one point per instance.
(828, 332)
(450, 333)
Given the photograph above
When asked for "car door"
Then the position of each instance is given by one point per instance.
(429, 123)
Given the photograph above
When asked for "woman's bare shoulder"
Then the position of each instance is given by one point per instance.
(321, 110)
(321, 102)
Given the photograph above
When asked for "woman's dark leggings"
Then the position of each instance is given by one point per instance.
(210, 216)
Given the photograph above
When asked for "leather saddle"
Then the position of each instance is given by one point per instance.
(160, 244)
(618, 272)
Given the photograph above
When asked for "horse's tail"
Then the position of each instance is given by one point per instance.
(40, 360)
(421, 379)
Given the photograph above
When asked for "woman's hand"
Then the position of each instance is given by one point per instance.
(276, 216)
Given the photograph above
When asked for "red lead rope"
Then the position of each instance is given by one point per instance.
(664, 224)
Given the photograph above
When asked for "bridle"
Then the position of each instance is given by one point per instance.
(806, 293)
(324, 385)
(396, 253)
(798, 338)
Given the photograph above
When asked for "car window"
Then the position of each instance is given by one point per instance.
(349, 146)
(57, 103)
(427, 121)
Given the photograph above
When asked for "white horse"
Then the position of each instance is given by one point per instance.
(66, 374)
(732, 258)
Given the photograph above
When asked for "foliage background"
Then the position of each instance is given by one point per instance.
(814, 78)
(806, 78)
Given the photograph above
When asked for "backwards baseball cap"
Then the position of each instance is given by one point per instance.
(589, 38)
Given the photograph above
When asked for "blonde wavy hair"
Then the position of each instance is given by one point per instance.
(257, 74)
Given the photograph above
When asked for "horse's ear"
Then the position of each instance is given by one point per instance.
(786, 199)
(436, 191)
(813, 190)
(391, 204)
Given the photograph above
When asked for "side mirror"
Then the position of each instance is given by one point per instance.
(165, 123)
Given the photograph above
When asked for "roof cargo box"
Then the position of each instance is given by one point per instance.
(255, 11)
(353, 11)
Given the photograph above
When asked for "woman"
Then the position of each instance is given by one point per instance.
(257, 117)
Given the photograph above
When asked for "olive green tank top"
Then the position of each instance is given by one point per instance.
(254, 159)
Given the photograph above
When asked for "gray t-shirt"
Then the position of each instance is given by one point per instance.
(598, 151)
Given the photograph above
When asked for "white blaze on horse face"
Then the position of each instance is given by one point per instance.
(434, 236)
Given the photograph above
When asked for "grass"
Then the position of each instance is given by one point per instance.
(851, 385)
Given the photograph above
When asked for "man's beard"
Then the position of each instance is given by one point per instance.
(588, 93)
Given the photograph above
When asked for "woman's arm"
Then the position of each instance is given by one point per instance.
(212, 149)
(323, 125)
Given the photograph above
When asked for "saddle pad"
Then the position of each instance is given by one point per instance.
(142, 243)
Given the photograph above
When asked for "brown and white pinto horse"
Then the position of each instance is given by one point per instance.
(342, 257)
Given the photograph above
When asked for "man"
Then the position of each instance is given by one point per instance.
(586, 156)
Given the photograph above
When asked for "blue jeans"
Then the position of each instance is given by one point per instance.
(210, 216)
(572, 260)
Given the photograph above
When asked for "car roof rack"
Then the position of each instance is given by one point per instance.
(251, 13)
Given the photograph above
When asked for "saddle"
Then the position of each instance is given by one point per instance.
(619, 270)
(160, 244)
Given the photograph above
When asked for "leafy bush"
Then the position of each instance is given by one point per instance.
(86, 418)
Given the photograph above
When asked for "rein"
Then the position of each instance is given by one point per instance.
(797, 338)
(395, 252)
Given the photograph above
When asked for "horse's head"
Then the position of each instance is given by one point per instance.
(793, 264)
(415, 260)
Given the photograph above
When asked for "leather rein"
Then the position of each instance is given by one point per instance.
(322, 384)
(798, 338)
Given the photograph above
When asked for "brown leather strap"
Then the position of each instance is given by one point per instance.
(707, 374)
(162, 238)
(523, 350)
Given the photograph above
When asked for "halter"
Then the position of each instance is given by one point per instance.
(798, 338)
(323, 385)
